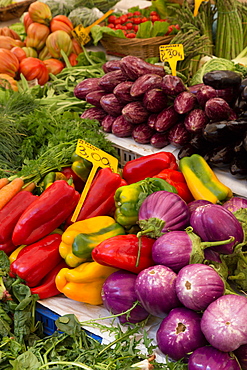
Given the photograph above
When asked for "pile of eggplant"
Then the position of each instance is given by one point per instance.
(137, 99)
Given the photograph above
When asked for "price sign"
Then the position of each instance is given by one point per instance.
(171, 53)
(98, 158)
(82, 34)
(197, 6)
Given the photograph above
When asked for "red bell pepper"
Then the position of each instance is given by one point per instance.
(46, 213)
(47, 287)
(122, 251)
(176, 179)
(78, 183)
(36, 260)
(147, 166)
(8, 247)
(12, 211)
(100, 197)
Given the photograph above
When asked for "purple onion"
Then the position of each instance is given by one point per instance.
(224, 322)
(213, 222)
(142, 133)
(197, 203)
(180, 333)
(121, 127)
(241, 354)
(210, 358)
(162, 211)
(198, 285)
(235, 203)
(118, 295)
(155, 289)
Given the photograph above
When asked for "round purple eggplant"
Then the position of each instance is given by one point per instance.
(167, 118)
(210, 358)
(135, 112)
(155, 100)
(195, 120)
(224, 322)
(155, 289)
(184, 102)
(204, 93)
(213, 222)
(118, 295)
(162, 211)
(86, 86)
(94, 113)
(197, 285)
(172, 85)
(142, 133)
(144, 83)
(179, 333)
(241, 354)
(107, 123)
(121, 127)
(111, 79)
(178, 135)
(197, 203)
(217, 109)
(235, 203)
(159, 140)
(94, 97)
(111, 104)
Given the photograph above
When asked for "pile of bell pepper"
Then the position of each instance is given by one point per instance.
(53, 255)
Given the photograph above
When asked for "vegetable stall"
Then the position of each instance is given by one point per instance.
(123, 185)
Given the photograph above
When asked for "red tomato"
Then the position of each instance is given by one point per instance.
(130, 35)
(129, 26)
(117, 21)
(154, 18)
(112, 18)
(33, 68)
(137, 13)
(118, 27)
(154, 13)
(135, 28)
(111, 25)
(123, 18)
(137, 20)
(177, 26)
(144, 19)
(129, 15)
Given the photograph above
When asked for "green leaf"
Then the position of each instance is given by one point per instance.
(4, 262)
(144, 30)
(26, 361)
(69, 324)
(97, 33)
(159, 29)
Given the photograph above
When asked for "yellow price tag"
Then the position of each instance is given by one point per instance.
(98, 158)
(171, 53)
(197, 6)
(82, 34)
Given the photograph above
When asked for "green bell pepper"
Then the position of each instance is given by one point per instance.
(81, 166)
(129, 198)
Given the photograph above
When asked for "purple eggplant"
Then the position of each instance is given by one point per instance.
(144, 83)
(111, 79)
(111, 104)
(122, 92)
(184, 102)
(135, 67)
(179, 333)
(155, 100)
(155, 289)
(135, 113)
(194, 88)
(229, 95)
(142, 133)
(178, 248)
(152, 119)
(118, 295)
(222, 79)
(94, 113)
(235, 203)
(224, 322)
(205, 93)
(121, 127)
(111, 65)
(194, 290)
(107, 123)
(241, 354)
(167, 118)
(195, 120)
(179, 135)
(86, 86)
(210, 358)
(213, 222)
(217, 109)
(94, 97)
(162, 211)
(159, 140)
(172, 85)
(197, 203)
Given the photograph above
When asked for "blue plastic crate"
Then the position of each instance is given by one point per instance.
(47, 317)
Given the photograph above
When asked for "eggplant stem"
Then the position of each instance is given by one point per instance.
(220, 242)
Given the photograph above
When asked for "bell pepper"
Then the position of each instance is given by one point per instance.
(47, 287)
(79, 239)
(15, 253)
(100, 197)
(69, 173)
(176, 179)
(148, 166)
(36, 260)
(7, 247)
(10, 214)
(51, 177)
(46, 213)
(129, 198)
(84, 282)
(81, 166)
(123, 251)
(202, 181)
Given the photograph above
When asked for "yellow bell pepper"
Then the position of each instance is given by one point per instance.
(84, 282)
(80, 238)
(202, 181)
(15, 253)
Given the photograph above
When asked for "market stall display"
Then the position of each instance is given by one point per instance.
(123, 192)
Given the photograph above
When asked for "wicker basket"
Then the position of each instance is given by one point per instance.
(15, 10)
(141, 48)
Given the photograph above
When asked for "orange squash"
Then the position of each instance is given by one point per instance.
(61, 22)
(9, 63)
(37, 34)
(40, 12)
(8, 82)
(57, 41)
